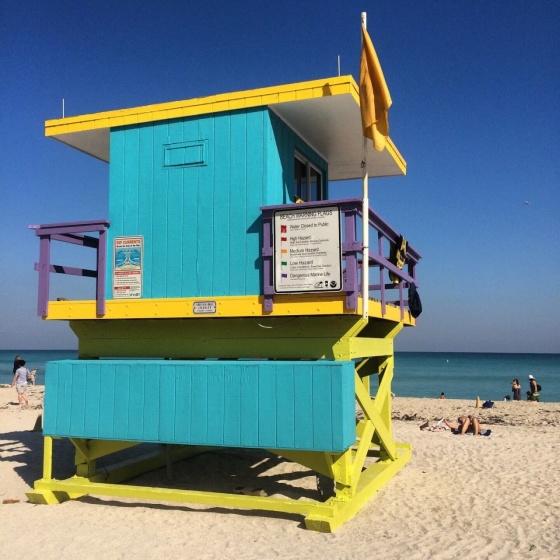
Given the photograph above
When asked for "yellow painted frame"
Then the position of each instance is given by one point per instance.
(355, 478)
(96, 126)
(226, 306)
(314, 89)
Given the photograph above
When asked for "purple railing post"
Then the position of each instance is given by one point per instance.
(351, 274)
(101, 272)
(44, 266)
(401, 302)
(381, 273)
(267, 264)
(71, 233)
(412, 270)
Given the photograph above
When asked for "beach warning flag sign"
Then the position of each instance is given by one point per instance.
(375, 98)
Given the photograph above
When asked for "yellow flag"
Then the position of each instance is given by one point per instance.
(375, 98)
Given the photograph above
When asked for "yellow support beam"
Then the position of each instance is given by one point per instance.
(358, 347)
(94, 448)
(47, 456)
(82, 486)
(371, 480)
(226, 306)
(356, 474)
(325, 517)
(373, 415)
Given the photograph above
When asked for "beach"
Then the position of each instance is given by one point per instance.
(459, 496)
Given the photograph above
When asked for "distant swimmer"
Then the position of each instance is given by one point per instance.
(527, 203)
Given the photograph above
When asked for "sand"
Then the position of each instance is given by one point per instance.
(458, 498)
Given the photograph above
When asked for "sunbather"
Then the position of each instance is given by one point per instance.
(465, 424)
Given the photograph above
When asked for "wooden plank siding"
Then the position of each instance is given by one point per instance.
(201, 223)
(261, 404)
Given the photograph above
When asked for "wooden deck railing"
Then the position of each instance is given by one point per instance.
(71, 233)
(382, 237)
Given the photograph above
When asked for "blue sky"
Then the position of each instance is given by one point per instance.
(475, 113)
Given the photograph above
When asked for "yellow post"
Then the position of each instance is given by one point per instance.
(47, 457)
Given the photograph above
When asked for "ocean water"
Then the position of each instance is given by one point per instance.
(469, 375)
(417, 374)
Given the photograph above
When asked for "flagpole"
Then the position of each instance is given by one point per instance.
(365, 221)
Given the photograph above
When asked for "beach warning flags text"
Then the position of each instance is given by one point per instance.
(375, 98)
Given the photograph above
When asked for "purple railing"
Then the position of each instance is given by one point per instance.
(352, 255)
(71, 233)
(382, 237)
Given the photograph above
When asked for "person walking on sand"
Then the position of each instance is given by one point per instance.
(516, 389)
(533, 393)
(20, 381)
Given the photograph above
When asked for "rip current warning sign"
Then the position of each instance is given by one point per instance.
(127, 267)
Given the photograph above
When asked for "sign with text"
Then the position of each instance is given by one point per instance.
(307, 255)
(204, 307)
(127, 267)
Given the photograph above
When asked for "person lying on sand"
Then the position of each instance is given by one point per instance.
(465, 424)
(434, 426)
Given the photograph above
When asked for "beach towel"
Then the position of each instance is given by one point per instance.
(481, 433)
(397, 257)
(436, 426)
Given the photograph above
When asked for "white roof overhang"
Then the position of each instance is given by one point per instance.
(325, 113)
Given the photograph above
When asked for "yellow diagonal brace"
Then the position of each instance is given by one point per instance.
(384, 388)
(383, 433)
(82, 451)
(317, 461)
(99, 447)
(371, 480)
(361, 453)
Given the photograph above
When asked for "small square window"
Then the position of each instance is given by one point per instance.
(185, 154)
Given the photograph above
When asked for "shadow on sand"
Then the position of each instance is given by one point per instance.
(227, 470)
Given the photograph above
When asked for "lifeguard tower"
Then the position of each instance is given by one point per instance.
(229, 307)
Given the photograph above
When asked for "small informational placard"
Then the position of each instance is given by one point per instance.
(204, 307)
(307, 255)
(127, 267)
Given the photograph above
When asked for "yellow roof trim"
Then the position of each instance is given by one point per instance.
(324, 113)
(205, 105)
(396, 155)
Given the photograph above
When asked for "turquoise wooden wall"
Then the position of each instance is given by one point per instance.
(261, 404)
(193, 188)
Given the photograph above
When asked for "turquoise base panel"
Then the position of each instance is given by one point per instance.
(302, 405)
